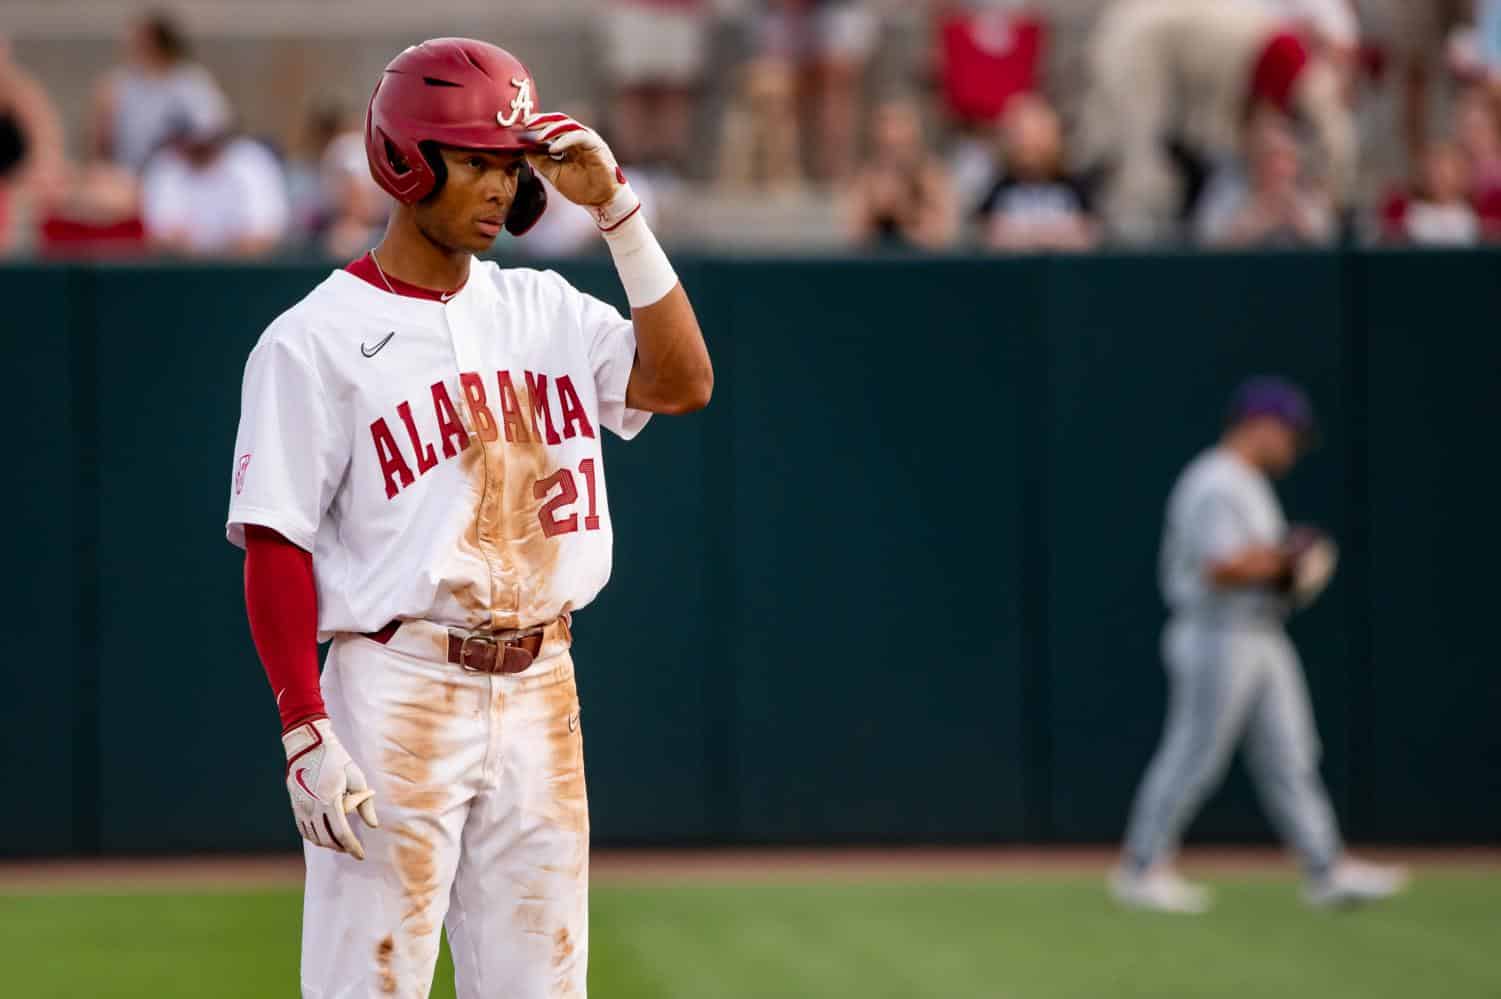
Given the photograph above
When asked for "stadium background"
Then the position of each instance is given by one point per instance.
(894, 588)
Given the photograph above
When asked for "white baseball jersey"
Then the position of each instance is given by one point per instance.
(440, 459)
(1219, 506)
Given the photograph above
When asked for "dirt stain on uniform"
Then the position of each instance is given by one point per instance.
(567, 804)
(567, 807)
(502, 578)
(558, 637)
(384, 975)
(417, 868)
(562, 963)
(531, 910)
(414, 741)
(420, 731)
(506, 535)
(467, 581)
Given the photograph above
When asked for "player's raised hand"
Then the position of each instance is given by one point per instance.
(326, 786)
(582, 168)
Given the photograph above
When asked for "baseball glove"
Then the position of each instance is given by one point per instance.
(1311, 560)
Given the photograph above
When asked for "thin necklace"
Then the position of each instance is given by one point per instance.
(376, 261)
(442, 296)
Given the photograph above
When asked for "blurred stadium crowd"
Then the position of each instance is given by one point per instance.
(233, 128)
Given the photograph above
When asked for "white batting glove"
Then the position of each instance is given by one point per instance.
(580, 165)
(325, 786)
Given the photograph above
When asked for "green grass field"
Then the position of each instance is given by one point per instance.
(1035, 937)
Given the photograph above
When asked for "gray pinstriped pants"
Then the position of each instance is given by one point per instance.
(1229, 680)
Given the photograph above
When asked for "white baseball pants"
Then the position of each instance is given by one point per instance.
(479, 782)
(1229, 680)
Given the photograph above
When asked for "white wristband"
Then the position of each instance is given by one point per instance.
(640, 261)
(622, 206)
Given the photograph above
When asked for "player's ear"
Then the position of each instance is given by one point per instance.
(530, 201)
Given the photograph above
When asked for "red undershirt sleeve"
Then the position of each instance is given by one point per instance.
(282, 604)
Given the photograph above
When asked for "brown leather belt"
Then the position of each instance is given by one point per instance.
(478, 652)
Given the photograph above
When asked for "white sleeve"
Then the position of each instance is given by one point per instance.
(1220, 528)
(290, 453)
(612, 354)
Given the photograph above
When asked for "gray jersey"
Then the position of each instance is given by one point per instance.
(1232, 676)
(1219, 506)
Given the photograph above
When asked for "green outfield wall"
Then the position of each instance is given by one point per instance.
(896, 584)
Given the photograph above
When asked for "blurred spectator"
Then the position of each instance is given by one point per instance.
(1455, 195)
(655, 52)
(212, 193)
(135, 104)
(1330, 26)
(1439, 212)
(973, 167)
(1331, 29)
(95, 212)
(1269, 206)
(826, 43)
(1172, 85)
(1477, 129)
(1191, 71)
(902, 196)
(1423, 33)
(987, 52)
(357, 207)
(1035, 204)
(313, 205)
(759, 148)
(31, 149)
(1477, 126)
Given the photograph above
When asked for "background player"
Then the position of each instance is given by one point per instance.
(418, 475)
(1231, 572)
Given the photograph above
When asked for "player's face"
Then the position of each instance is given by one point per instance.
(1282, 444)
(471, 207)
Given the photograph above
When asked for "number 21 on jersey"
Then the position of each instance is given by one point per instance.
(554, 520)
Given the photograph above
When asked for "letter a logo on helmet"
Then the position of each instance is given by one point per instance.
(445, 92)
(521, 104)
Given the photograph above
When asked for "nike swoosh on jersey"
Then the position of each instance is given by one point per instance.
(372, 351)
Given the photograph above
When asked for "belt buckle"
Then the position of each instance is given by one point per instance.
(482, 640)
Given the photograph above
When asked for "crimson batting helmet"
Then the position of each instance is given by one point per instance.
(451, 92)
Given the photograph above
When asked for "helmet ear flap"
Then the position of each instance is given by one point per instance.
(396, 165)
(433, 157)
(528, 204)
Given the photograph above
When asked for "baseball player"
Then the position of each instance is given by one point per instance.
(418, 477)
(1231, 571)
